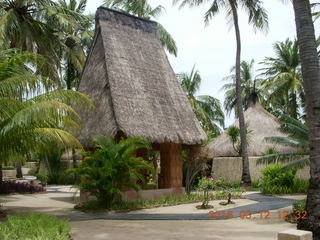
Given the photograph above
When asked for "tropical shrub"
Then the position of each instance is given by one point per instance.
(112, 168)
(279, 180)
(34, 227)
(205, 185)
(42, 177)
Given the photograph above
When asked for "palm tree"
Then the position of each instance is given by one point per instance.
(297, 137)
(258, 18)
(248, 86)
(74, 36)
(284, 83)
(33, 124)
(206, 108)
(143, 9)
(29, 25)
(310, 69)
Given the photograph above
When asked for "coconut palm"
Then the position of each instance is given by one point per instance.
(310, 69)
(206, 108)
(143, 9)
(74, 36)
(248, 86)
(297, 137)
(284, 83)
(32, 124)
(26, 25)
(258, 18)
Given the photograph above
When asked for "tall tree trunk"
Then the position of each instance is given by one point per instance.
(246, 179)
(1, 176)
(293, 105)
(311, 77)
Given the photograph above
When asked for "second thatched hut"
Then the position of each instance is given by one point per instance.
(227, 163)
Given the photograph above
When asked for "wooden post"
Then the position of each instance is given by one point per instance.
(171, 166)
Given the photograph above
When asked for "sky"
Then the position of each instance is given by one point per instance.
(212, 48)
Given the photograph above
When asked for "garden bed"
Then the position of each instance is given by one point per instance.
(125, 206)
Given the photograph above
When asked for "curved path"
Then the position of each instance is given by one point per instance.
(264, 204)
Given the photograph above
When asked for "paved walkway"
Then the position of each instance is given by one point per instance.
(137, 225)
(265, 204)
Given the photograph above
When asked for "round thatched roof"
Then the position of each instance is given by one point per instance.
(261, 124)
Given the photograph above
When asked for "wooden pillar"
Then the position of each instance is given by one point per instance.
(171, 165)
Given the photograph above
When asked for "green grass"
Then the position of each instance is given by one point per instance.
(34, 227)
(165, 201)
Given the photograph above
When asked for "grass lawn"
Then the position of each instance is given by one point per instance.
(34, 227)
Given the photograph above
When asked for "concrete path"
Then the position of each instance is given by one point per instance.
(165, 221)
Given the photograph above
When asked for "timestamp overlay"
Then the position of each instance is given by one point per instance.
(263, 215)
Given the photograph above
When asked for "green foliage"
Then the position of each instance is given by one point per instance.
(112, 168)
(32, 122)
(152, 203)
(34, 227)
(221, 184)
(8, 168)
(249, 84)
(283, 82)
(205, 185)
(299, 205)
(279, 180)
(42, 177)
(297, 137)
(206, 108)
(233, 133)
(47, 27)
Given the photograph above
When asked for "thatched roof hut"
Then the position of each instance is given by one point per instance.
(131, 82)
(261, 124)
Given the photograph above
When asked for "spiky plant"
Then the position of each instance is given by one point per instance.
(113, 168)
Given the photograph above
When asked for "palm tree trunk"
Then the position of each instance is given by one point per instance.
(246, 179)
(311, 77)
(1, 176)
(293, 105)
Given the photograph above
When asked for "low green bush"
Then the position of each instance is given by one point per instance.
(299, 205)
(279, 180)
(34, 227)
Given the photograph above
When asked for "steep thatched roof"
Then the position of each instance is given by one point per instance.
(129, 78)
(261, 124)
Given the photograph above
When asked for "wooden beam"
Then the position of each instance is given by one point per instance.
(171, 165)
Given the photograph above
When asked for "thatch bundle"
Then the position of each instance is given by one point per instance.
(133, 86)
(260, 124)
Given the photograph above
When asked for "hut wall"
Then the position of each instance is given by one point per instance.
(171, 166)
(230, 168)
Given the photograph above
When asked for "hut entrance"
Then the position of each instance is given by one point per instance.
(170, 166)
(170, 174)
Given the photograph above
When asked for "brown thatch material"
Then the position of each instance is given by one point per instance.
(261, 124)
(133, 86)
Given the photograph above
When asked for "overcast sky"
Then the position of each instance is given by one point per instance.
(213, 48)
